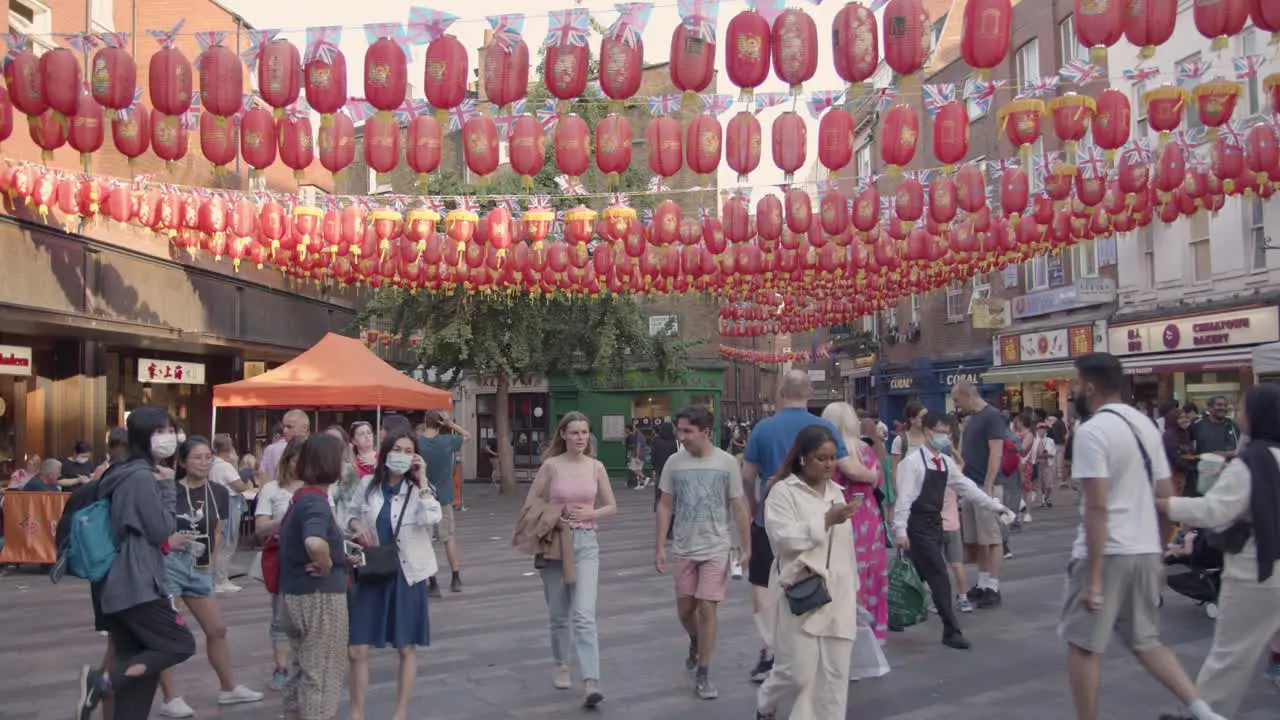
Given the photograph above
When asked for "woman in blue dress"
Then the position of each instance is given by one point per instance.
(393, 507)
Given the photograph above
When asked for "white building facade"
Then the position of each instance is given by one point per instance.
(1195, 296)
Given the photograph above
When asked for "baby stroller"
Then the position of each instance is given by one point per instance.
(1195, 570)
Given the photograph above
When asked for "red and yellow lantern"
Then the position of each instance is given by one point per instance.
(1020, 122)
(665, 147)
(1165, 107)
(258, 139)
(794, 44)
(423, 147)
(336, 143)
(1072, 115)
(297, 151)
(1150, 23)
(702, 146)
(1220, 20)
(951, 134)
(855, 44)
(381, 143)
(906, 36)
(88, 128)
(168, 138)
(1099, 25)
(221, 81)
(984, 36)
(613, 147)
(1215, 103)
(693, 60)
(506, 72)
(480, 146)
(445, 82)
(789, 144)
(742, 144)
(279, 70)
(325, 81)
(899, 135)
(572, 146)
(219, 141)
(747, 51)
(132, 134)
(386, 75)
(580, 224)
(169, 80)
(835, 140)
(112, 78)
(620, 68)
(60, 78)
(1111, 121)
(564, 70)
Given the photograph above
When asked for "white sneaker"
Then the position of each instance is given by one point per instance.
(1026, 517)
(227, 588)
(239, 694)
(177, 708)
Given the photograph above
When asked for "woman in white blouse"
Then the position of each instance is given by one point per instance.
(1244, 508)
(807, 521)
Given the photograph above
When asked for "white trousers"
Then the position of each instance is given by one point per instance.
(1250, 617)
(813, 670)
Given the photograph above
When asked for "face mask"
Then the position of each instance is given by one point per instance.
(1082, 406)
(398, 462)
(941, 441)
(164, 446)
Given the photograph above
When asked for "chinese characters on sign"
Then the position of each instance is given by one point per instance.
(170, 372)
(15, 360)
(1059, 344)
(1198, 332)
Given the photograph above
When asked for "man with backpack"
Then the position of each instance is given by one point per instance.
(985, 448)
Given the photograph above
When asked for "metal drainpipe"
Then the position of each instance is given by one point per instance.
(133, 36)
(239, 26)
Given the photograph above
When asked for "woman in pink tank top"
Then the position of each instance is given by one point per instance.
(571, 477)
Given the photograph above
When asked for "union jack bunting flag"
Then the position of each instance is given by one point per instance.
(426, 25)
(821, 100)
(1081, 72)
(763, 101)
(1137, 75)
(997, 168)
(1043, 86)
(322, 43)
(465, 202)
(655, 184)
(506, 30)
(548, 115)
(167, 38)
(539, 202)
(568, 27)
(1247, 66)
(633, 17)
(664, 104)
(700, 16)
(1231, 134)
(459, 115)
(884, 96)
(1187, 139)
(257, 38)
(394, 31)
(118, 40)
(1189, 72)
(620, 199)
(982, 93)
(510, 203)
(82, 43)
(1091, 160)
(936, 96)
(1137, 151)
(769, 9)
(568, 187)
(716, 104)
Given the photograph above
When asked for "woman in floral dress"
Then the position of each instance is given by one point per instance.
(868, 525)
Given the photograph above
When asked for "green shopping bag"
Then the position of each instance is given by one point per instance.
(907, 605)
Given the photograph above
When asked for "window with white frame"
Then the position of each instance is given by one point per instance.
(1201, 254)
(1257, 234)
(1086, 260)
(870, 326)
(915, 309)
(102, 15)
(1191, 119)
(1147, 246)
(955, 302)
(310, 195)
(33, 19)
(1028, 63)
(1071, 47)
(1252, 86)
(376, 185)
(891, 318)
(864, 159)
(1037, 272)
(972, 104)
(1142, 127)
(982, 286)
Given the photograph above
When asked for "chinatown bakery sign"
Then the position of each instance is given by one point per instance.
(1232, 328)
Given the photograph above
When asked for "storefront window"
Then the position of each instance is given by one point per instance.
(1199, 387)
(653, 407)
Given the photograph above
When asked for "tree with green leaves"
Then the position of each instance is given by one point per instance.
(502, 337)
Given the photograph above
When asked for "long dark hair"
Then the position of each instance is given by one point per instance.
(382, 476)
(292, 451)
(141, 425)
(807, 442)
(1262, 411)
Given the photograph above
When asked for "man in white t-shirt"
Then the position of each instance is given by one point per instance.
(1115, 573)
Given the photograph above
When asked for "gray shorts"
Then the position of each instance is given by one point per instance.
(980, 527)
(1130, 604)
(952, 547)
(444, 529)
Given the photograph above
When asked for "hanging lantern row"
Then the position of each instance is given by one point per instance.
(785, 268)
(758, 357)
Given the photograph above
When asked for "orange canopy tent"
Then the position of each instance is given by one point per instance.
(338, 372)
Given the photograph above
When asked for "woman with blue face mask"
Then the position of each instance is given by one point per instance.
(391, 513)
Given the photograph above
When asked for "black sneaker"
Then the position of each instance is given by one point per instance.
(433, 588)
(691, 661)
(703, 687)
(762, 668)
(990, 599)
(956, 640)
(974, 593)
(593, 698)
(455, 585)
(93, 688)
(765, 716)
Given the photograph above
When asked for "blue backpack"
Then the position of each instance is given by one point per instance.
(91, 546)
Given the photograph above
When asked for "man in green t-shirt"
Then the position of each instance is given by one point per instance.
(437, 450)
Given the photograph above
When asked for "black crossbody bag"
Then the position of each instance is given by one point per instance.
(810, 593)
(382, 562)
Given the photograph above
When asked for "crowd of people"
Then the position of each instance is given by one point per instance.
(349, 520)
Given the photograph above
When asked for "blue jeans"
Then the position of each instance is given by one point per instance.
(230, 538)
(573, 607)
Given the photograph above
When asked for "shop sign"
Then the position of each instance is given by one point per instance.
(1198, 332)
(901, 382)
(817, 376)
(15, 360)
(989, 313)
(1082, 293)
(973, 378)
(1057, 344)
(171, 372)
(664, 324)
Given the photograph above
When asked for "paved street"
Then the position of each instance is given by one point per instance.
(490, 657)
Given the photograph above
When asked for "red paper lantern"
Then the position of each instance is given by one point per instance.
(942, 200)
(1090, 190)
(984, 36)
(835, 139)
(527, 144)
(747, 50)
(423, 147)
(866, 209)
(693, 60)
(613, 147)
(742, 144)
(1165, 107)
(572, 146)
(336, 143)
(1072, 115)
(1262, 151)
(1219, 20)
(666, 222)
(899, 133)
(906, 36)
(221, 81)
(480, 145)
(506, 72)
(620, 68)
(580, 224)
(501, 233)
(909, 200)
(446, 73)
(799, 210)
(702, 146)
(132, 134)
(169, 138)
(794, 43)
(1226, 163)
(50, 133)
(789, 144)
(855, 43)
(951, 134)
(1216, 101)
(325, 78)
(382, 143)
(112, 78)
(26, 84)
(60, 78)
(279, 70)
(1015, 189)
(1150, 23)
(834, 210)
(665, 148)
(219, 141)
(564, 70)
(297, 150)
(1111, 121)
(169, 80)
(1266, 17)
(88, 128)
(737, 218)
(91, 196)
(1099, 25)
(769, 217)
(258, 139)
(971, 188)
(1020, 120)
(1171, 168)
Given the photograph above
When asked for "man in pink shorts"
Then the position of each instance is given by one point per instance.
(699, 487)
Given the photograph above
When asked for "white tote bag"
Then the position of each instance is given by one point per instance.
(868, 660)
